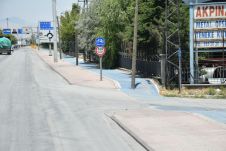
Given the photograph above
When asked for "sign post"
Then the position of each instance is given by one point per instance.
(50, 36)
(45, 34)
(100, 51)
(101, 69)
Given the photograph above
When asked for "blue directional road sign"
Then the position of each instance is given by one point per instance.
(20, 31)
(45, 26)
(6, 31)
(100, 42)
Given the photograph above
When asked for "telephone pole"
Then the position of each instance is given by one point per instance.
(60, 44)
(134, 56)
(54, 30)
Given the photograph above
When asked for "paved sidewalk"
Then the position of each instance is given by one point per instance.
(172, 131)
(76, 75)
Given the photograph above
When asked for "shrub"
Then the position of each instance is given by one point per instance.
(211, 91)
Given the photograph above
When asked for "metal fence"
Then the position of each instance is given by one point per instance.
(68, 47)
(148, 62)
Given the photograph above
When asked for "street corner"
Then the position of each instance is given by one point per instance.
(170, 130)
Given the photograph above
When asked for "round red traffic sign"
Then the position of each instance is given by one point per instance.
(100, 51)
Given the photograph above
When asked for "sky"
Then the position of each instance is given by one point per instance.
(30, 11)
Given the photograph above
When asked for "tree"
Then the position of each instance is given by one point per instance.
(113, 20)
(67, 27)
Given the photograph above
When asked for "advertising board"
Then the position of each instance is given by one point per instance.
(209, 25)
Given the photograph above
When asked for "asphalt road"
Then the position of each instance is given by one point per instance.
(40, 111)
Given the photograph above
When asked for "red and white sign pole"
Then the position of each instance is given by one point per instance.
(100, 51)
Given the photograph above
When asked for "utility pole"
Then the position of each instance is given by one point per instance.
(223, 56)
(60, 48)
(76, 49)
(7, 22)
(179, 51)
(191, 39)
(54, 30)
(38, 33)
(134, 56)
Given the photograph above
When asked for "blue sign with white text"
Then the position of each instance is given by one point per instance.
(100, 42)
(7, 31)
(45, 26)
(20, 31)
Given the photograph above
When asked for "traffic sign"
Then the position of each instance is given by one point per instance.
(100, 51)
(20, 31)
(6, 31)
(100, 42)
(49, 35)
(45, 26)
(14, 31)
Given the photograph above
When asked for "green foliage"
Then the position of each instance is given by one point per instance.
(223, 91)
(67, 27)
(211, 91)
(113, 19)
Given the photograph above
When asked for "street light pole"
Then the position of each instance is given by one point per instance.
(134, 57)
(54, 30)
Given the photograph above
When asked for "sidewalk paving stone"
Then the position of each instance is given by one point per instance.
(172, 131)
(76, 75)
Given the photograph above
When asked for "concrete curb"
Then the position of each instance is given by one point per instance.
(116, 83)
(52, 68)
(207, 119)
(155, 85)
(132, 134)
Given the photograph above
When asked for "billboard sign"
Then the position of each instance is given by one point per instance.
(209, 25)
(210, 44)
(209, 35)
(212, 11)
